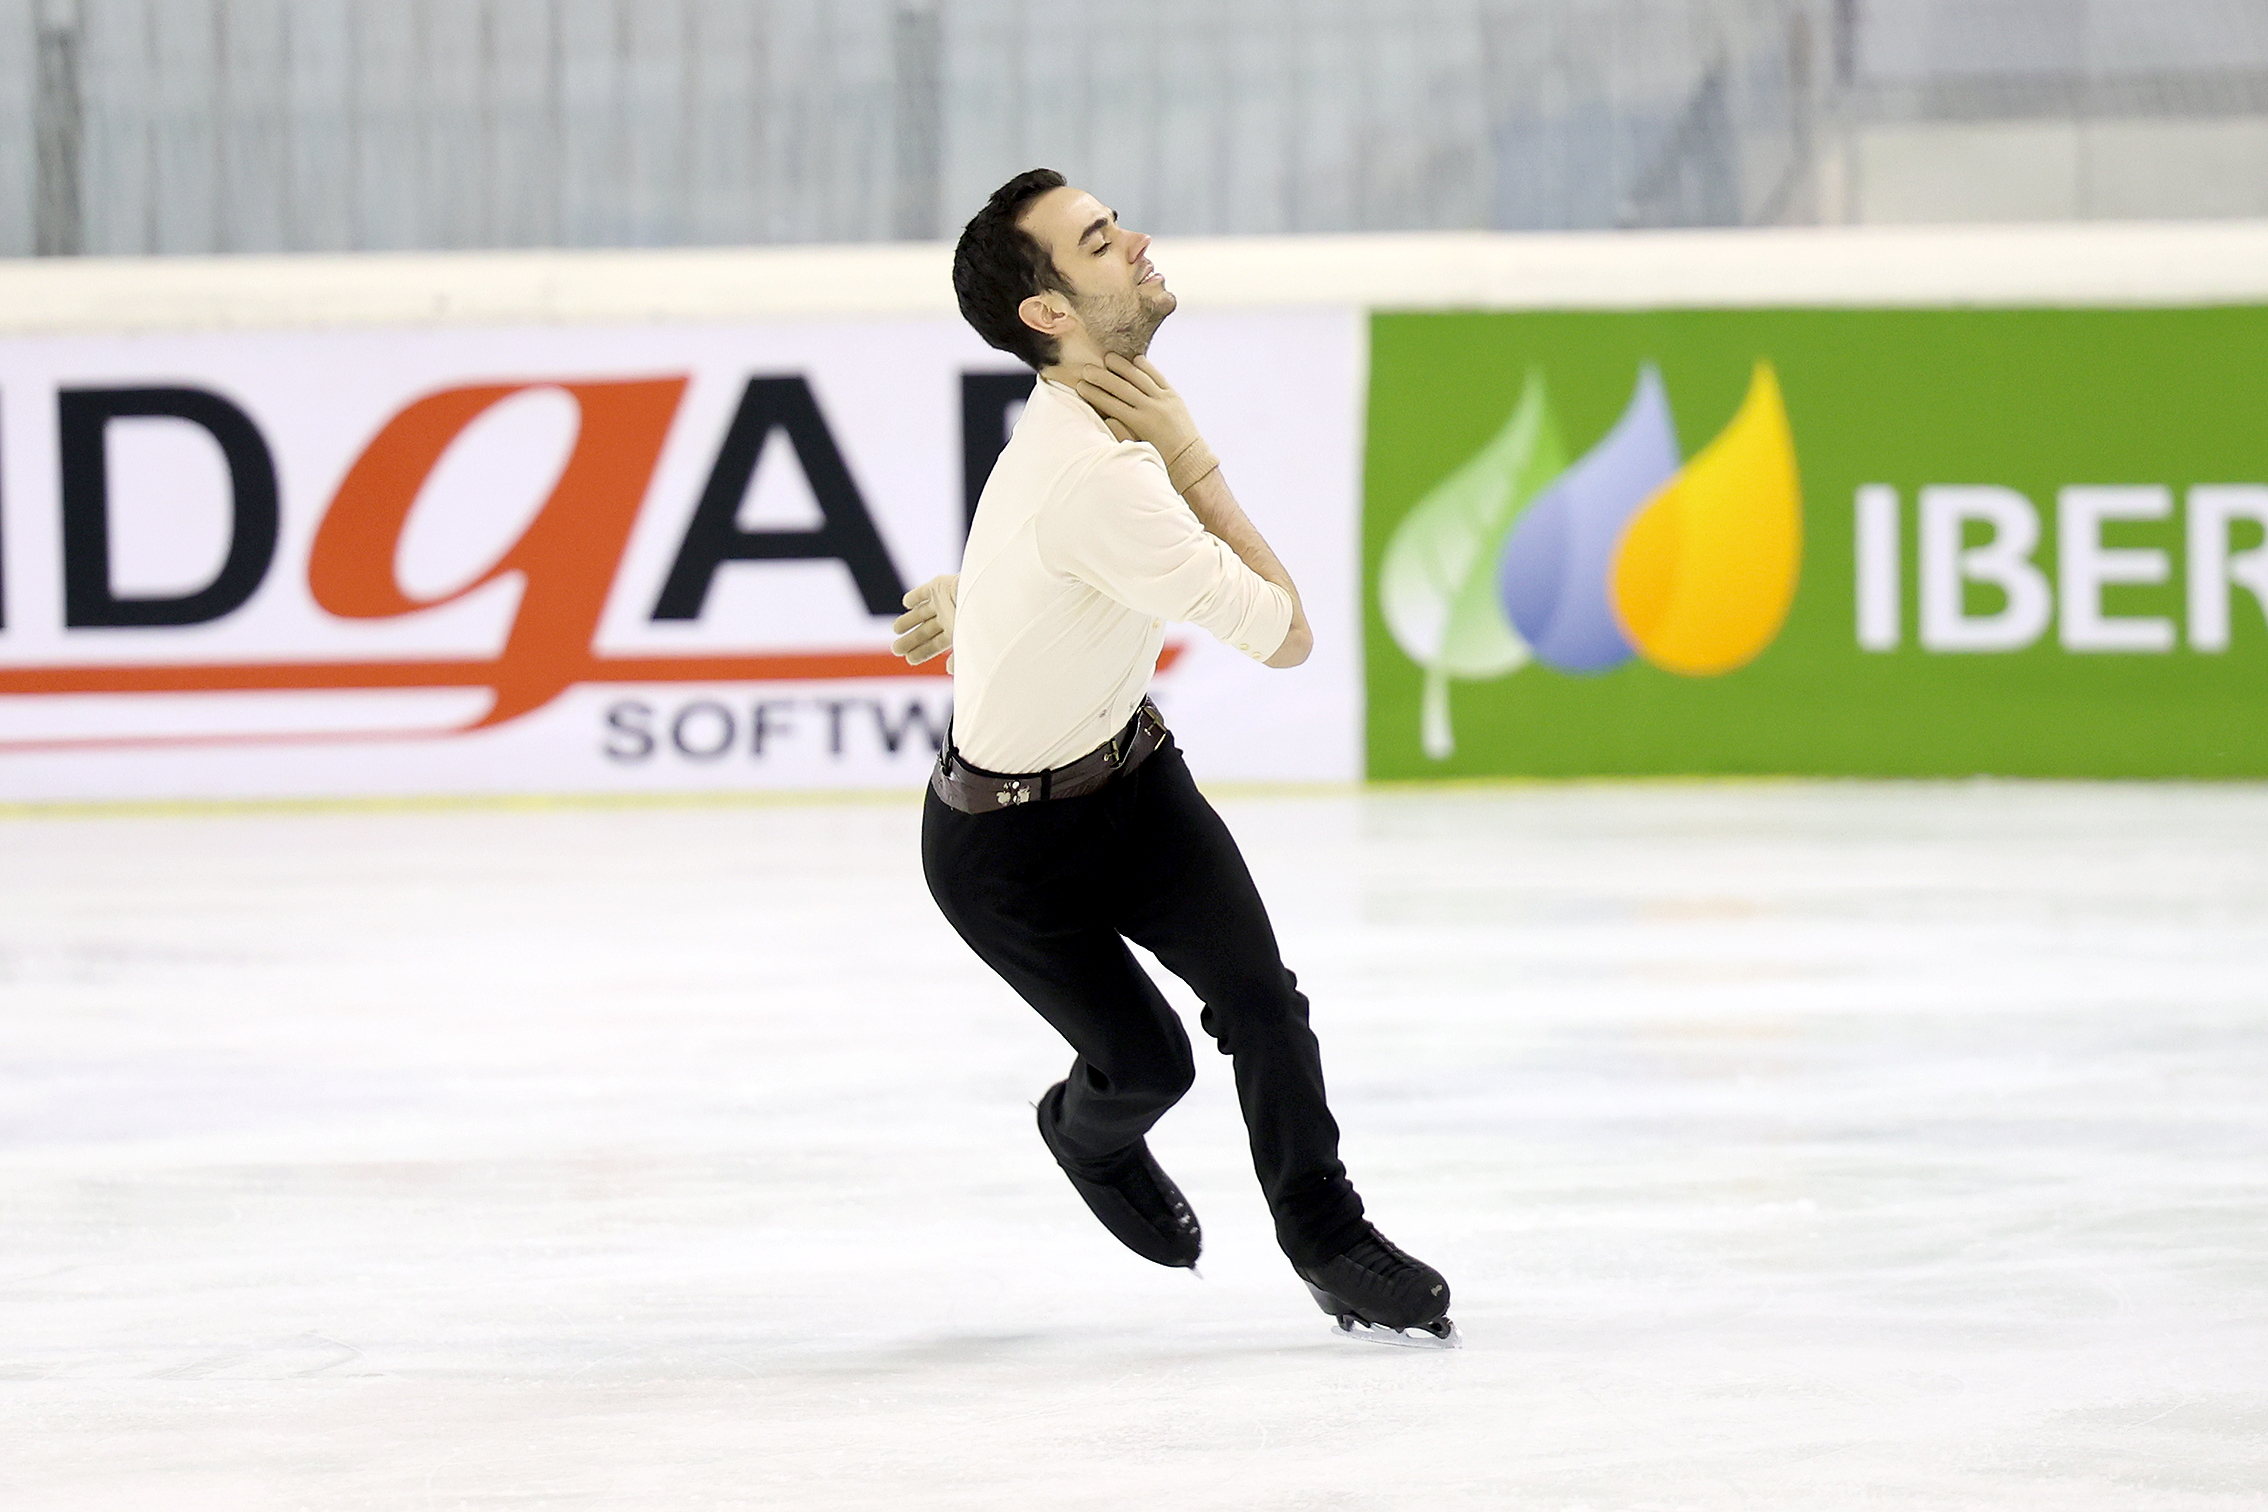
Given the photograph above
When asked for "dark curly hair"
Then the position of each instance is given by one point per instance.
(998, 265)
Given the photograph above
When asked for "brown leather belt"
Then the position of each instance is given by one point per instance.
(972, 790)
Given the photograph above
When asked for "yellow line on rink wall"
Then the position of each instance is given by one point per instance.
(910, 798)
(143, 808)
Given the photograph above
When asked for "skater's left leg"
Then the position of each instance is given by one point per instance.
(1186, 896)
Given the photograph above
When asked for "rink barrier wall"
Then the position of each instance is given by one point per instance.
(624, 523)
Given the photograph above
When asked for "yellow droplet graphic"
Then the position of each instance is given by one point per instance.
(1706, 569)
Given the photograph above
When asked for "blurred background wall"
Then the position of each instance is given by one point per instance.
(137, 126)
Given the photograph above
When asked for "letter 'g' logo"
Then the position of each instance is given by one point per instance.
(566, 557)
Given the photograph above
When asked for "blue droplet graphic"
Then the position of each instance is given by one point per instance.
(1553, 579)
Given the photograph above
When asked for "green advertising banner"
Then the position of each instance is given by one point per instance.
(1834, 541)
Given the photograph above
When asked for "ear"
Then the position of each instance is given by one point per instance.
(1049, 314)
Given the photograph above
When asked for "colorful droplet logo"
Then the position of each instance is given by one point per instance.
(1705, 572)
(1558, 559)
(1624, 554)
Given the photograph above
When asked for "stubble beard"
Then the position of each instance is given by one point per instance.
(1125, 326)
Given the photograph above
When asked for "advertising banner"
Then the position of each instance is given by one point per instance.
(1832, 541)
(580, 559)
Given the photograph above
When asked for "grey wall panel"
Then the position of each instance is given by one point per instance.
(19, 129)
(252, 201)
(320, 147)
(219, 125)
(657, 139)
(182, 82)
(455, 127)
(518, 122)
(394, 205)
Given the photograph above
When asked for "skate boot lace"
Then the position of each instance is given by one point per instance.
(1385, 1259)
(1151, 1201)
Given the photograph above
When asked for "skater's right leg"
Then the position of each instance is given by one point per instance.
(1018, 887)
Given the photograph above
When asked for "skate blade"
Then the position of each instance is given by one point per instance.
(1351, 1327)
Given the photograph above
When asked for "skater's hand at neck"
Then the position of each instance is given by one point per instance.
(1138, 404)
(1135, 400)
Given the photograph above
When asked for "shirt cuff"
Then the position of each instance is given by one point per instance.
(1260, 634)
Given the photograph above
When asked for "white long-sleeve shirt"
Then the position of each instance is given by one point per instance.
(1080, 552)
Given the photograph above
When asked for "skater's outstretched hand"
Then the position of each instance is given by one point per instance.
(1137, 403)
(926, 628)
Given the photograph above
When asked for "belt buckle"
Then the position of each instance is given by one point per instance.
(1014, 792)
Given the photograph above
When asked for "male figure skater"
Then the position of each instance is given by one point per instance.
(1061, 821)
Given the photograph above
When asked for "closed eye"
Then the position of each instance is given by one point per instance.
(1101, 231)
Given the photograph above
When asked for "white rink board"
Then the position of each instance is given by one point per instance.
(1278, 392)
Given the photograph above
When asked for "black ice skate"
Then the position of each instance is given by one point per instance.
(1378, 1292)
(1139, 1203)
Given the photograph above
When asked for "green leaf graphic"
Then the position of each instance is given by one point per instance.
(1437, 581)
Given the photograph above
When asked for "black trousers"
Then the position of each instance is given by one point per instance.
(1049, 893)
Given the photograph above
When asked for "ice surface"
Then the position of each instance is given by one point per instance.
(1788, 1146)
